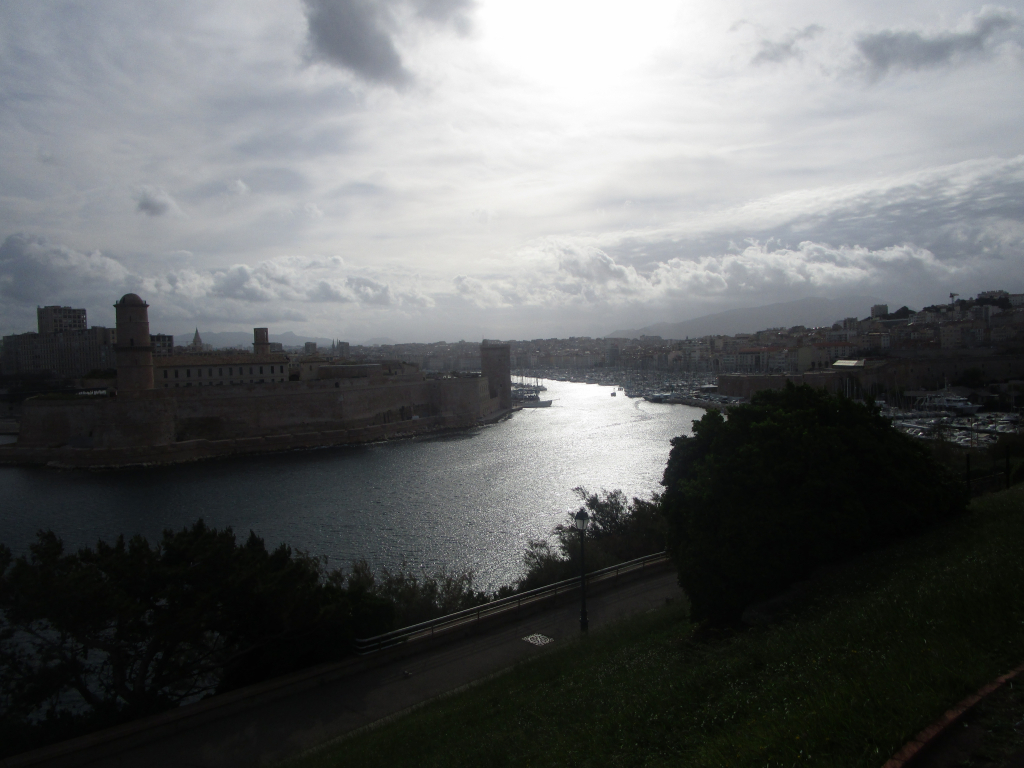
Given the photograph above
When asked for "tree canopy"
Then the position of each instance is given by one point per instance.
(795, 480)
(117, 631)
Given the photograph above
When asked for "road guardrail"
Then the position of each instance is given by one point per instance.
(471, 616)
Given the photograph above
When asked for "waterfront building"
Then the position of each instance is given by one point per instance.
(152, 420)
(218, 370)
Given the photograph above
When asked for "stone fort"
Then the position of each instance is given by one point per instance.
(184, 409)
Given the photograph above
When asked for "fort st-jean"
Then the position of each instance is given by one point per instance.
(179, 409)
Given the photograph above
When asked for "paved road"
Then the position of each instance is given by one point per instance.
(283, 728)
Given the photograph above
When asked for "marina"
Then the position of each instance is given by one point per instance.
(926, 415)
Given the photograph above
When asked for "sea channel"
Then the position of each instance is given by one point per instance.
(460, 500)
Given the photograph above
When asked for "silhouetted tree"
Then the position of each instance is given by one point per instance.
(795, 480)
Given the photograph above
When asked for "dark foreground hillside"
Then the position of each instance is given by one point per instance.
(870, 654)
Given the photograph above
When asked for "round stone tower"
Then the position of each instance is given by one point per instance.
(134, 350)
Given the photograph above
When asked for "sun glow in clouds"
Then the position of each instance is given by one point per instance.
(576, 48)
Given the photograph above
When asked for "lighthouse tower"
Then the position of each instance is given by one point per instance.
(134, 351)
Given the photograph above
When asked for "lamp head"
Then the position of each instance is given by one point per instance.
(581, 519)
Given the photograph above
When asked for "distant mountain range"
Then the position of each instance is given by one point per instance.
(811, 312)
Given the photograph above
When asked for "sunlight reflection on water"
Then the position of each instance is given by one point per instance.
(459, 500)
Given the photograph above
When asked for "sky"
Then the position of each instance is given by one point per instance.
(431, 170)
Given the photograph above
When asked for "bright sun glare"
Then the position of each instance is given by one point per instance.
(575, 47)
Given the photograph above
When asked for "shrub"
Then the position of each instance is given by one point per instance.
(106, 634)
(619, 530)
(795, 480)
(103, 635)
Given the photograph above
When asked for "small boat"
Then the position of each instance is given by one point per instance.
(535, 403)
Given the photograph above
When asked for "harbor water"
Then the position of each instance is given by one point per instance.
(461, 500)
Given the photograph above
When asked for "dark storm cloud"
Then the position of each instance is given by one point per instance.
(890, 51)
(779, 51)
(359, 35)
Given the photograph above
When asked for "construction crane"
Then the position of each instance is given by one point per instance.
(952, 297)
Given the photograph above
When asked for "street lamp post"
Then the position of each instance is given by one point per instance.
(581, 519)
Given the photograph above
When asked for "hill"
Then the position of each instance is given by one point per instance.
(812, 312)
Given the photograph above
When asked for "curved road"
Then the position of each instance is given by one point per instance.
(273, 722)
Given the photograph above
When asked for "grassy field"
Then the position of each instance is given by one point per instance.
(875, 652)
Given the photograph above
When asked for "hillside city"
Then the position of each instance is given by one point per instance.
(991, 323)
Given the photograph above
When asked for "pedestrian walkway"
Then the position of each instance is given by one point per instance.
(269, 729)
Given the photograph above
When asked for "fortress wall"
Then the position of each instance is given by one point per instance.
(96, 423)
(193, 450)
(162, 417)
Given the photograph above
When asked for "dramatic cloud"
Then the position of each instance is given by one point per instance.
(36, 271)
(779, 51)
(300, 279)
(33, 271)
(359, 35)
(591, 276)
(326, 291)
(356, 35)
(370, 291)
(566, 168)
(479, 293)
(892, 51)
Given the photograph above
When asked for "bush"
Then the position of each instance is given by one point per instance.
(100, 636)
(400, 598)
(619, 530)
(1017, 475)
(103, 635)
(796, 480)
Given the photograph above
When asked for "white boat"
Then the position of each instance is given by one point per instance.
(946, 401)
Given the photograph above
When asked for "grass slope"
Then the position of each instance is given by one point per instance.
(876, 652)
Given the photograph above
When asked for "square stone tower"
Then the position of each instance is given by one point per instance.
(496, 365)
(261, 341)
